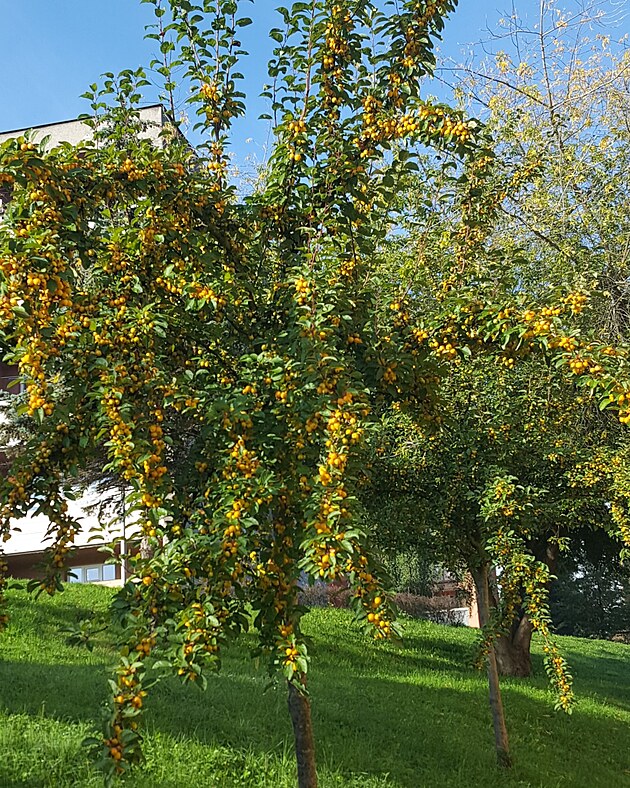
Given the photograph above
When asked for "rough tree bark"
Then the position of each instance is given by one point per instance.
(300, 711)
(501, 741)
(513, 649)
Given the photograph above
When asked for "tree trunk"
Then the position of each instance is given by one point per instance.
(300, 711)
(501, 742)
(513, 649)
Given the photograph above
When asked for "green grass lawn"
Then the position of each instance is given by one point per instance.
(384, 716)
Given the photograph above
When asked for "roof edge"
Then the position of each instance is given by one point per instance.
(63, 122)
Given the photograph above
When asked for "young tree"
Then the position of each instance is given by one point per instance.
(208, 344)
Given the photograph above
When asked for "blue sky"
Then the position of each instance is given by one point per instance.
(50, 51)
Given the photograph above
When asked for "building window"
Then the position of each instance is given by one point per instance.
(93, 573)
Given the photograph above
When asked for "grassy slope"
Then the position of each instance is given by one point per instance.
(384, 716)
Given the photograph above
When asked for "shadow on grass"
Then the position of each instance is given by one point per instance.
(74, 693)
(603, 676)
(55, 609)
(416, 712)
(377, 711)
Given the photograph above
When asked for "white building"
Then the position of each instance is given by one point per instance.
(75, 131)
(24, 549)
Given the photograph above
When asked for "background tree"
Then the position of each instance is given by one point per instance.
(553, 102)
(455, 245)
(552, 84)
(590, 596)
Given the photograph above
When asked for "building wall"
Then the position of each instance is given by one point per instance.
(25, 566)
(75, 131)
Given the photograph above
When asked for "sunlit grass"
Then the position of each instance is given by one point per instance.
(413, 716)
